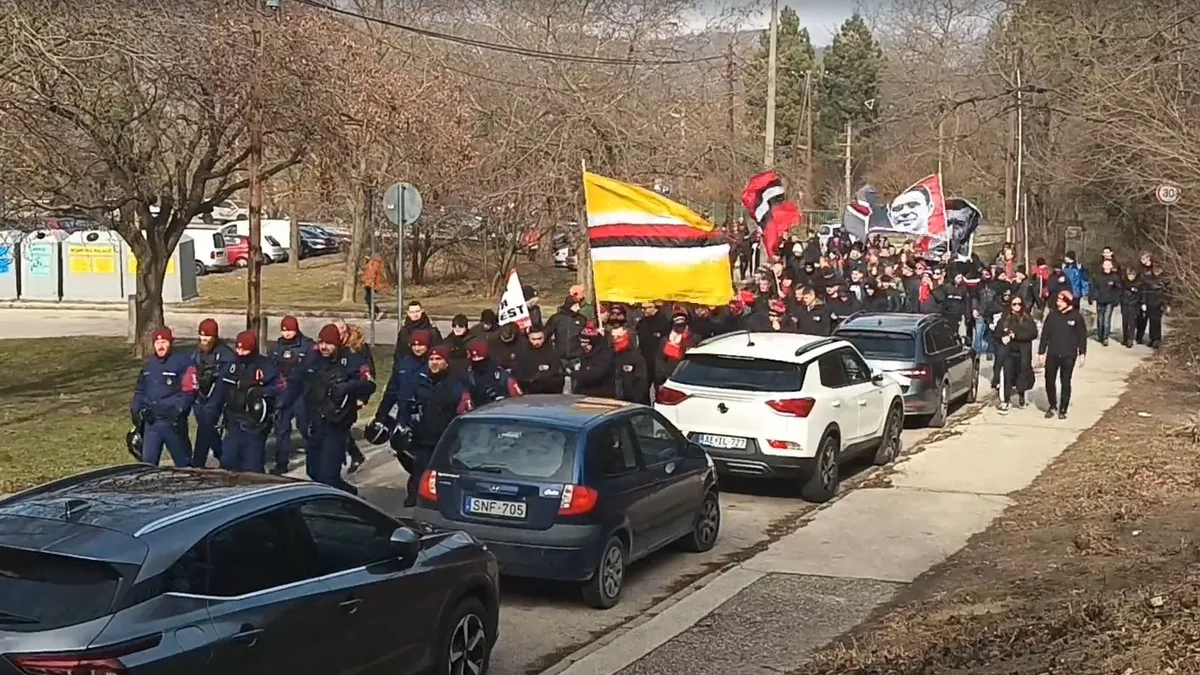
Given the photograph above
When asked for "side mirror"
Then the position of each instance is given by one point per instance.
(877, 378)
(406, 544)
(696, 450)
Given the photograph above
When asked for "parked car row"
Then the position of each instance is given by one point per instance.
(224, 247)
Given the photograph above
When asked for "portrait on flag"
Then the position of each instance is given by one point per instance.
(962, 219)
(918, 212)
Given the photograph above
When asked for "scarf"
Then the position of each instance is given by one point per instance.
(622, 343)
(924, 293)
(674, 351)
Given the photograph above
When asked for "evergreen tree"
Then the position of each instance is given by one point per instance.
(795, 55)
(849, 92)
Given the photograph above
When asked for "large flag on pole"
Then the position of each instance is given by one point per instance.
(645, 247)
(764, 199)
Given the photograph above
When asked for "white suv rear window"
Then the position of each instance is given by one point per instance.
(739, 374)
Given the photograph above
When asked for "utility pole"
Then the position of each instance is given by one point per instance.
(1019, 202)
(848, 177)
(731, 104)
(772, 66)
(254, 319)
(941, 144)
(804, 132)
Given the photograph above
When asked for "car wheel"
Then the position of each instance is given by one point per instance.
(823, 484)
(938, 419)
(603, 590)
(889, 443)
(201, 270)
(973, 390)
(707, 525)
(242, 262)
(465, 642)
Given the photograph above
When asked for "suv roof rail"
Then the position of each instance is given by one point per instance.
(816, 344)
(722, 336)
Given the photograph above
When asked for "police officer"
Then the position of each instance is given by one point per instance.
(211, 357)
(247, 391)
(289, 351)
(487, 380)
(405, 371)
(438, 396)
(331, 381)
(162, 398)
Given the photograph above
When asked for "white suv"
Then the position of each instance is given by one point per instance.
(784, 405)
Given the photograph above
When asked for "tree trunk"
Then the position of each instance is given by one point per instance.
(358, 237)
(149, 305)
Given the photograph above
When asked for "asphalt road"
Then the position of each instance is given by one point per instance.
(540, 623)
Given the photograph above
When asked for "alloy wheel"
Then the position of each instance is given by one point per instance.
(468, 646)
(612, 571)
(828, 465)
(710, 521)
(894, 426)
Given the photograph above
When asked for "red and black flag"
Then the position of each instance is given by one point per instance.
(774, 214)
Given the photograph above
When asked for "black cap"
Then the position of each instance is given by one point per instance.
(487, 316)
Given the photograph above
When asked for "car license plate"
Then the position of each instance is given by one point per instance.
(723, 442)
(495, 507)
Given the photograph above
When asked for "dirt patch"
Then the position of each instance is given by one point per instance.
(1094, 569)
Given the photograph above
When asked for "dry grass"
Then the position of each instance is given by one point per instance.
(317, 286)
(1095, 569)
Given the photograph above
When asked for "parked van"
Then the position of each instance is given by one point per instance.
(276, 235)
(211, 254)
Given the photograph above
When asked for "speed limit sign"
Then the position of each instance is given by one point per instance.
(1167, 194)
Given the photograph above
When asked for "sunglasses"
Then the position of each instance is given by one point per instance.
(1018, 304)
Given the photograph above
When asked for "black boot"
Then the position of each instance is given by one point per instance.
(1062, 414)
(1050, 413)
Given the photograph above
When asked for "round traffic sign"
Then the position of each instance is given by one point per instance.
(1167, 194)
(402, 204)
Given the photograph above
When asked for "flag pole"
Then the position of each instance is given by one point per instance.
(585, 260)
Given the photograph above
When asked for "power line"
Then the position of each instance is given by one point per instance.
(507, 49)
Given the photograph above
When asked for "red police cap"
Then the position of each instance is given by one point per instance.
(163, 334)
(289, 323)
(477, 349)
(440, 351)
(330, 335)
(419, 337)
(209, 328)
(247, 340)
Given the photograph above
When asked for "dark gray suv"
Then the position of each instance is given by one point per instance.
(143, 570)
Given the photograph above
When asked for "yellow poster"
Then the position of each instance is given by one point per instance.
(92, 259)
(133, 265)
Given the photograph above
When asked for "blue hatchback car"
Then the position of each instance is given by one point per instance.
(571, 488)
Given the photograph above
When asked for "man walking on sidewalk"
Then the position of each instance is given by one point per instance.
(373, 281)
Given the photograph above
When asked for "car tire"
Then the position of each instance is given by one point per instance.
(889, 443)
(822, 485)
(201, 269)
(707, 525)
(603, 590)
(242, 262)
(938, 419)
(465, 637)
(973, 390)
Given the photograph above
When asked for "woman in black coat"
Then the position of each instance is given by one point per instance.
(1016, 332)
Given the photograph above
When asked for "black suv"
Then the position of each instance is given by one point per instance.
(138, 569)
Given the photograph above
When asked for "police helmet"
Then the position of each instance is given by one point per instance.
(258, 406)
(133, 443)
(376, 432)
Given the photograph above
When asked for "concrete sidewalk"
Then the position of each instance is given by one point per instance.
(765, 615)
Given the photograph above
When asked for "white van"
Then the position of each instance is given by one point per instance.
(209, 243)
(276, 235)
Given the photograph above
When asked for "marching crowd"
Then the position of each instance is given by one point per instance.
(239, 397)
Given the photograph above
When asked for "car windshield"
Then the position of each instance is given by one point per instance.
(507, 448)
(723, 372)
(883, 346)
(42, 591)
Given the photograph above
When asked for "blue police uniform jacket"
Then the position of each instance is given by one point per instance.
(318, 376)
(1081, 285)
(401, 383)
(210, 364)
(288, 354)
(166, 387)
(433, 404)
(239, 377)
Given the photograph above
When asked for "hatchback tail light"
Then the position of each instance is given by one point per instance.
(793, 407)
(924, 373)
(428, 486)
(212, 255)
(669, 396)
(102, 661)
(577, 500)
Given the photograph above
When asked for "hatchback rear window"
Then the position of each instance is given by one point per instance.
(883, 346)
(723, 372)
(41, 591)
(509, 449)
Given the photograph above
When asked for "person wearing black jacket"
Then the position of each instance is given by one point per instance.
(1062, 346)
(812, 317)
(538, 369)
(415, 319)
(1154, 303)
(1105, 294)
(632, 381)
(651, 327)
(1131, 306)
(1016, 330)
(592, 374)
(564, 329)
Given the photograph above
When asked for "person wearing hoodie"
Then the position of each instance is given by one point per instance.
(539, 370)
(487, 326)
(415, 319)
(505, 344)
(1041, 285)
(564, 329)
(486, 380)
(1131, 306)
(1016, 332)
(457, 340)
(812, 316)
(1079, 278)
(1106, 295)
(632, 381)
(651, 327)
(841, 305)
(592, 374)
(673, 348)
(876, 299)
(1062, 346)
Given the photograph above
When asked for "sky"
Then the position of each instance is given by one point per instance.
(821, 17)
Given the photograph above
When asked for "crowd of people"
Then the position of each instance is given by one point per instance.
(1018, 318)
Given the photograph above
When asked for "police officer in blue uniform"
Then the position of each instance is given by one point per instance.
(247, 392)
(438, 395)
(291, 349)
(404, 375)
(162, 400)
(331, 381)
(487, 380)
(211, 358)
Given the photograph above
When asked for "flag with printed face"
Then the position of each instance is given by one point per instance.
(646, 247)
(918, 212)
(764, 199)
(514, 307)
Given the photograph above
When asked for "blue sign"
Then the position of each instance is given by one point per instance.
(6, 259)
(41, 259)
